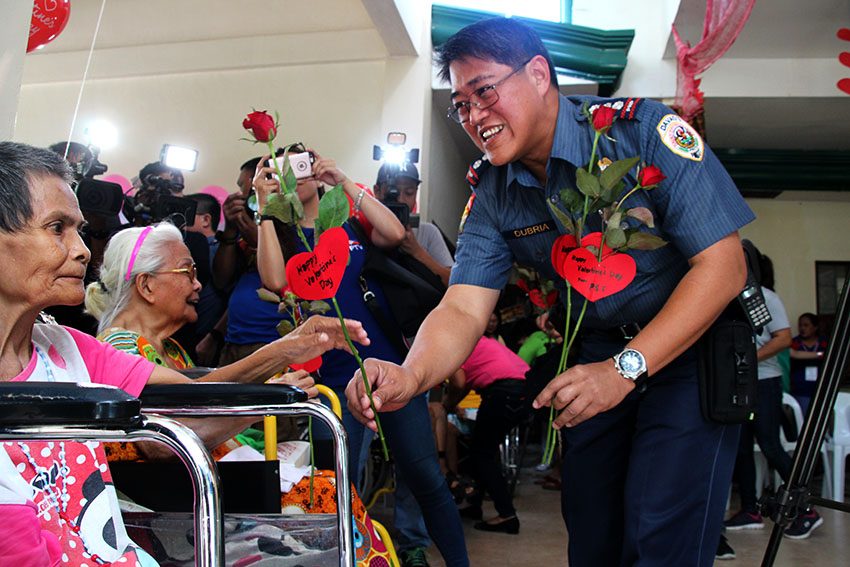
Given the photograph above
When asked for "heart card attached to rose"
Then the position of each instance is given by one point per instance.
(317, 274)
(594, 279)
(563, 245)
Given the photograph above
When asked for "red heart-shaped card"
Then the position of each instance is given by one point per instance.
(310, 366)
(595, 239)
(317, 274)
(594, 279)
(563, 245)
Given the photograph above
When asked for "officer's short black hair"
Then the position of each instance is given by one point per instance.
(20, 165)
(503, 40)
(207, 205)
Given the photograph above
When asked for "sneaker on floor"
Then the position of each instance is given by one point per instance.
(803, 526)
(413, 557)
(744, 520)
(724, 550)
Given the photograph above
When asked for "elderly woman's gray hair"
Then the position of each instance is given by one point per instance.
(110, 295)
(19, 165)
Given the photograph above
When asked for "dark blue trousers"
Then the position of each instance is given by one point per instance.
(646, 483)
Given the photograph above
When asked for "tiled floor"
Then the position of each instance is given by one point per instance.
(542, 538)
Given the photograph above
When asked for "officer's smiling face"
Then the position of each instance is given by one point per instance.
(508, 130)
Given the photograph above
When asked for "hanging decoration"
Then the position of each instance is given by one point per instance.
(844, 58)
(49, 18)
(724, 21)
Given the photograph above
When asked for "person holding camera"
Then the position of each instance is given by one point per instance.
(629, 411)
(408, 431)
(396, 187)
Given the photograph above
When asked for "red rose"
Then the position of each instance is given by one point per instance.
(261, 125)
(650, 176)
(603, 118)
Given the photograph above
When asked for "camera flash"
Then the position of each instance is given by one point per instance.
(101, 134)
(179, 158)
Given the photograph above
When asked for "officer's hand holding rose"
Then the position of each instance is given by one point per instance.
(584, 391)
(393, 386)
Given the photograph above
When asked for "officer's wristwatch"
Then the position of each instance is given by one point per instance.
(631, 365)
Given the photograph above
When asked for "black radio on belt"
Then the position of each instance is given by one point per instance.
(751, 299)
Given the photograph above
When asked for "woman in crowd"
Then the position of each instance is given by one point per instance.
(44, 517)
(408, 430)
(807, 351)
(498, 375)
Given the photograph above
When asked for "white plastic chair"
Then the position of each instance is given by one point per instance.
(838, 446)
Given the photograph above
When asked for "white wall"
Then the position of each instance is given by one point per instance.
(796, 234)
(336, 108)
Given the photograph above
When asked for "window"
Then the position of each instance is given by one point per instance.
(830, 279)
(548, 10)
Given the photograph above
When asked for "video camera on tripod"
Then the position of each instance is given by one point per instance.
(398, 163)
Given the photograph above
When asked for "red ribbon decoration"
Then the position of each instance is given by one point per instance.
(318, 274)
(49, 18)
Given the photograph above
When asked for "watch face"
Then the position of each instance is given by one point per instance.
(631, 361)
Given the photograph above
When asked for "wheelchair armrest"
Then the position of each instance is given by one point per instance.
(220, 394)
(67, 403)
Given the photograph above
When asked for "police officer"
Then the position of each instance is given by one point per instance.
(645, 477)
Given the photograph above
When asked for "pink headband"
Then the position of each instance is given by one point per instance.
(135, 253)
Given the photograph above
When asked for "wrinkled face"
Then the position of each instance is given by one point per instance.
(175, 294)
(45, 262)
(407, 189)
(807, 328)
(506, 131)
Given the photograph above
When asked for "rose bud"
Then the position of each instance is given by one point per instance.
(650, 176)
(261, 125)
(603, 118)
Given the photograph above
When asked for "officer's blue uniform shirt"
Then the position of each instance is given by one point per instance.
(695, 207)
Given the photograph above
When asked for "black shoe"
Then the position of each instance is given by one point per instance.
(413, 557)
(803, 526)
(471, 512)
(509, 526)
(724, 550)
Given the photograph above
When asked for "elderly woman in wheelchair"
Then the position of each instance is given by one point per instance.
(56, 498)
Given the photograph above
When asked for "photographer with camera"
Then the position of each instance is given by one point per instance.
(396, 187)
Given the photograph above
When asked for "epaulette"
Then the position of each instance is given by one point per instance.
(475, 171)
(627, 107)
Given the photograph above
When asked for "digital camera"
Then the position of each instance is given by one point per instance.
(302, 164)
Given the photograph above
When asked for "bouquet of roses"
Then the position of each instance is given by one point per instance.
(595, 265)
(314, 275)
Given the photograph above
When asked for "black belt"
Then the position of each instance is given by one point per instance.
(624, 332)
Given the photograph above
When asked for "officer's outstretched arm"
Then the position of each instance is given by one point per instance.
(443, 343)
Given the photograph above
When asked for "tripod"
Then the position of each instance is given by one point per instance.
(794, 497)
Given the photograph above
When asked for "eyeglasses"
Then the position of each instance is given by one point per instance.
(190, 271)
(482, 98)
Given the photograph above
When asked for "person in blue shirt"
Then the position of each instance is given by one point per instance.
(408, 431)
(645, 477)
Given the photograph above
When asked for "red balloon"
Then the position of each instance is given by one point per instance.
(49, 18)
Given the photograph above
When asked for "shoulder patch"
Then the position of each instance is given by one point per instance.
(466, 211)
(475, 170)
(626, 107)
(680, 137)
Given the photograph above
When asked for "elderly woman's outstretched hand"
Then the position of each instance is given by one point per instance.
(318, 335)
(299, 379)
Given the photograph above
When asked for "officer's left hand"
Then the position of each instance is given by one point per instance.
(584, 391)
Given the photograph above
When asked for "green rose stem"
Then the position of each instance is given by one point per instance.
(551, 437)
